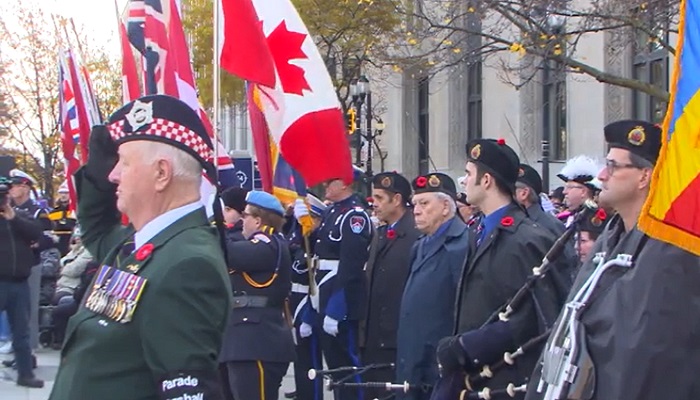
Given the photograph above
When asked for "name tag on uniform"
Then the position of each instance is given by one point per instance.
(115, 294)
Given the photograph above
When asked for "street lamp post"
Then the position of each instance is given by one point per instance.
(366, 131)
(357, 101)
(554, 24)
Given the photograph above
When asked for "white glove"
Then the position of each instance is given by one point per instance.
(300, 209)
(305, 330)
(330, 326)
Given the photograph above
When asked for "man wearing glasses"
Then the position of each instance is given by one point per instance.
(579, 175)
(628, 330)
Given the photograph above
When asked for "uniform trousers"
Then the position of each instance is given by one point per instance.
(308, 351)
(339, 351)
(255, 380)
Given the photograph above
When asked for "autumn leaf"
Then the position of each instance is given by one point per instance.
(286, 46)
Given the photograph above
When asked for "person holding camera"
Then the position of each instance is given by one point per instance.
(19, 231)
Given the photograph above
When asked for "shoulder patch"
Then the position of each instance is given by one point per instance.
(260, 238)
(357, 223)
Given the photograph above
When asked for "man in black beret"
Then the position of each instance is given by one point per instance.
(387, 270)
(234, 204)
(427, 305)
(152, 322)
(636, 337)
(504, 247)
(527, 193)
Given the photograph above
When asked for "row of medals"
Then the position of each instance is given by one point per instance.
(115, 294)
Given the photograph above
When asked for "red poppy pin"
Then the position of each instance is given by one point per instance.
(601, 214)
(390, 234)
(507, 221)
(144, 251)
(421, 181)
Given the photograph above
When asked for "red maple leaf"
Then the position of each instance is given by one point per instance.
(286, 46)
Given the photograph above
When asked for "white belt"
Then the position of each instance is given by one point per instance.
(299, 288)
(328, 265)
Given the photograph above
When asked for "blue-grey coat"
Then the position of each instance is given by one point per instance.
(427, 306)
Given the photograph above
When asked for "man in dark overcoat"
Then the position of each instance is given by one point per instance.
(387, 271)
(504, 248)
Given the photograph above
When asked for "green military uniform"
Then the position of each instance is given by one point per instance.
(168, 347)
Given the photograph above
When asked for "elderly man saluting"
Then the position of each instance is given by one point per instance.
(152, 321)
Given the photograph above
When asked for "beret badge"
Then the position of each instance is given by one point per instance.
(434, 181)
(386, 182)
(636, 136)
(475, 152)
(521, 172)
(141, 114)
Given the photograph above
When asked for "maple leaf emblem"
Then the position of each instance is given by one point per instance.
(286, 46)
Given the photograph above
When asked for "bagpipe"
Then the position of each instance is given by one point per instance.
(462, 386)
(353, 372)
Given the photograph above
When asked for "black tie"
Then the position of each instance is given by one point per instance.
(126, 250)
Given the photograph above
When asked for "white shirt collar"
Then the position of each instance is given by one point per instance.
(159, 223)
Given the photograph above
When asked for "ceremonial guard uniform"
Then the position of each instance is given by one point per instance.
(308, 347)
(341, 251)
(427, 305)
(258, 344)
(151, 323)
(632, 306)
(504, 248)
(387, 272)
(579, 174)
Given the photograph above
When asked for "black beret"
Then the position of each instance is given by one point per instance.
(497, 158)
(164, 119)
(639, 137)
(557, 193)
(435, 182)
(393, 182)
(462, 198)
(595, 223)
(530, 177)
(234, 197)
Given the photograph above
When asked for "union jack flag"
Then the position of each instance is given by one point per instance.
(154, 28)
(75, 116)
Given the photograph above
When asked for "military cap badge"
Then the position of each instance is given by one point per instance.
(476, 151)
(636, 136)
(521, 172)
(141, 114)
(434, 181)
(386, 181)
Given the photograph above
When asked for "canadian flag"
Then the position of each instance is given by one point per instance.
(267, 43)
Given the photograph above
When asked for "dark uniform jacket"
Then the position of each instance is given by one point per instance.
(170, 347)
(342, 248)
(545, 219)
(640, 326)
(493, 273)
(259, 269)
(234, 233)
(387, 272)
(427, 305)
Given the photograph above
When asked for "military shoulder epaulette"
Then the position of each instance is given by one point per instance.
(260, 237)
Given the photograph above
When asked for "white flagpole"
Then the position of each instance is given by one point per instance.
(217, 79)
